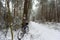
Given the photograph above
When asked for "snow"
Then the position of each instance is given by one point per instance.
(44, 32)
(36, 32)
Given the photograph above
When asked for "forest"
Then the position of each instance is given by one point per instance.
(15, 14)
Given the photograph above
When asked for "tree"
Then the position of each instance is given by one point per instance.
(43, 9)
(57, 17)
(8, 18)
(1, 6)
(25, 13)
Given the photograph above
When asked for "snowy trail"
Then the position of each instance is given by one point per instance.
(44, 32)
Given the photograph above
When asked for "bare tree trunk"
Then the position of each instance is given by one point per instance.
(42, 11)
(56, 11)
(9, 19)
(14, 10)
(11, 32)
(29, 9)
(25, 13)
(17, 7)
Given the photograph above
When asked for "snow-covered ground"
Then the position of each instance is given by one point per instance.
(41, 32)
(36, 32)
